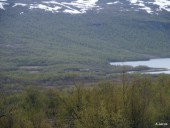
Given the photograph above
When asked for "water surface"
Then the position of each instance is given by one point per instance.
(153, 63)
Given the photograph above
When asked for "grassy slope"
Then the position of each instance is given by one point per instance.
(59, 42)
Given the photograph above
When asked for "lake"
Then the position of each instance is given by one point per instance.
(153, 63)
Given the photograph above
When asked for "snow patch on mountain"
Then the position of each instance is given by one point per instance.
(82, 6)
(71, 11)
(116, 2)
(133, 1)
(73, 7)
(141, 5)
(163, 4)
(45, 7)
(19, 4)
(3, 3)
(67, 9)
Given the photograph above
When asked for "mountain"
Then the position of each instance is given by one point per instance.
(60, 36)
(82, 6)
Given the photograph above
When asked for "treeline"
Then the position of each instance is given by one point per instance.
(140, 103)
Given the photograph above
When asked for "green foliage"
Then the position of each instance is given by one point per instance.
(143, 103)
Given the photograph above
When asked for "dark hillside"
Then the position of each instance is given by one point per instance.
(56, 42)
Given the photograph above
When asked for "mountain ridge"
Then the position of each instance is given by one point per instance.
(83, 6)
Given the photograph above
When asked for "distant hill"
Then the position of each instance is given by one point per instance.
(81, 34)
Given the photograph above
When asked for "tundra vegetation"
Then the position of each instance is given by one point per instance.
(141, 102)
(42, 53)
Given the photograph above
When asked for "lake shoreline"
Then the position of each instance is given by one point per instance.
(159, 65)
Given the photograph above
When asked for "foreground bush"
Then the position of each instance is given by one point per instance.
(141, 103)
